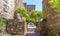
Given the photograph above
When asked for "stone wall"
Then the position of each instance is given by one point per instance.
(29, 7)
(7, 8)
(50, 15)
(58, 22)
(15, 27)
(19, 3)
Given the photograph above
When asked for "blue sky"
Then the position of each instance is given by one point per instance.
(38, 3)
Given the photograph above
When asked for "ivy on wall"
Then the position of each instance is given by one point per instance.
(2, 22)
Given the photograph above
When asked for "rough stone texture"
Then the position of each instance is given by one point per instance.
(38, 27)
(58, 16)
(7, 8)
(15, 27)
(18, 35)
(41, 27)
(29, 7)
(19, 3)
(50, 15)
(44, 28)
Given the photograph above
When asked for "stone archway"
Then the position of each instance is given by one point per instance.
(50, 15)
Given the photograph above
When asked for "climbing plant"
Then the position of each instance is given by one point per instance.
(32, 16)
(2, 22)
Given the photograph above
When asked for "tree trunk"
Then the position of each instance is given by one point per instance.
(50, 15)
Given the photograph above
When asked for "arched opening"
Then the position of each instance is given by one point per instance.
(49, 16)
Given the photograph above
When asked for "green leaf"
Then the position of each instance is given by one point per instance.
(55, 4)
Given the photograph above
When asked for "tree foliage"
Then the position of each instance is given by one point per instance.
(55, 4)
(35, 15)
(21, 10)
(23, 13)
(32, 16)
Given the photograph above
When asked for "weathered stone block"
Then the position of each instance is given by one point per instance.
(15, 27)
